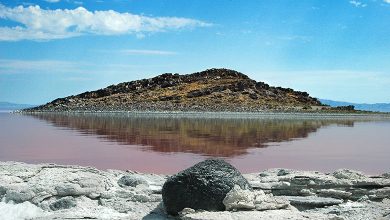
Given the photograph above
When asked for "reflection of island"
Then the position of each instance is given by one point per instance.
(211, 137)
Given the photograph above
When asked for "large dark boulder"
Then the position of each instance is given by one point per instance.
(202, 186)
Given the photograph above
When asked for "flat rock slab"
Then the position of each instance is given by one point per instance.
(250, 215)
(311, 201)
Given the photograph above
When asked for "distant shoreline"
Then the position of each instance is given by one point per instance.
(226, 114)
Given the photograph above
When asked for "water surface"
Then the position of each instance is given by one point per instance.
(169, 144)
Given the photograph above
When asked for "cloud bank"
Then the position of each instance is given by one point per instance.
(36, 23)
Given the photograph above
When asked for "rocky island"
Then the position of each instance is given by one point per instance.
(209, 90)
(49, 191)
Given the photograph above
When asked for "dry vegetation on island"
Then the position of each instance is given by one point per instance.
(209, 90)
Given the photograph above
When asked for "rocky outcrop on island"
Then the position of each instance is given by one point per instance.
(49, 191)
(209, 90)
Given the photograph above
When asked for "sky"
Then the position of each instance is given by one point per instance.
(335, 49)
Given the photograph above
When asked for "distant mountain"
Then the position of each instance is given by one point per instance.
(377, 107)
(4, 106)
(209, 90)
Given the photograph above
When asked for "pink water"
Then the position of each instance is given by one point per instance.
(168, 145)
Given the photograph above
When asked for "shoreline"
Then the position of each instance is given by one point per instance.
(59, 191)
(223, 114)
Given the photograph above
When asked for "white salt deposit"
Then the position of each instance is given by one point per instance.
(98, 195)
(21, 211)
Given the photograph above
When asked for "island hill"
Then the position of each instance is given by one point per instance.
(209, 90)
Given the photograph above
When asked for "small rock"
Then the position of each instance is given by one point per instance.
(302, 181)
(40, 197)
(363, 198)
(186, 211)
(94, 195)
(202, 186)
(348, 174)
(63, 203)
(132, 181)
(19, 196)
(380, 193)
(338, 194)
(253, 96)
(357, 193)
(198, 93)
(239, 199)
(268, 202)
(69, 189)
(3, 190)
(263, 174)
(283, 172)
(306, 192)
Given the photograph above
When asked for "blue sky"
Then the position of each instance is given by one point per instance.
(336, 49)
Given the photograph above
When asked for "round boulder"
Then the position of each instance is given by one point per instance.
(202, 186)
(63, 203)
(131, 180)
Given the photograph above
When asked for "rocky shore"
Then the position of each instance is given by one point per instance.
(49, 191)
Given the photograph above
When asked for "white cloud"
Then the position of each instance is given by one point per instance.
(17, 66)
(359, 4)
(19, 33)
(41, 24)
(52, 1)
(8, 66)
(387, 1)
(147, 52)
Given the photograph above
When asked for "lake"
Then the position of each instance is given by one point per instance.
(156, 143)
